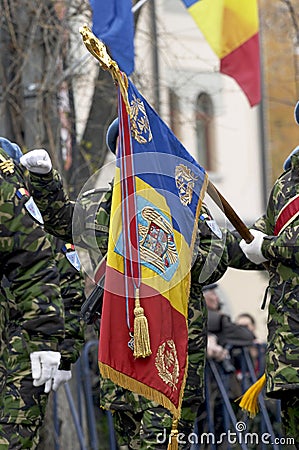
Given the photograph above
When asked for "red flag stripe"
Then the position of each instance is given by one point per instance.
(244, 66)
(174, 329)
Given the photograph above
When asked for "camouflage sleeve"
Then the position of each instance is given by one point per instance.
(72, 292)
(283, 248)
(53, 203)
(79, 222)
(103, 221)
(210, 261)
(27, 261)
(95, 207)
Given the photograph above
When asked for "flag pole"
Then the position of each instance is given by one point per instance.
(230, 213)
(98, 49)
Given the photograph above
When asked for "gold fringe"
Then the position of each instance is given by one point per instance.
(249, 400)
(142, 346)
(173, 438)
(140, 388)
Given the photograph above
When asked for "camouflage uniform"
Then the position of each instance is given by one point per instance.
(282, 252)
(32, 316)
(130, 410)
(72, 292)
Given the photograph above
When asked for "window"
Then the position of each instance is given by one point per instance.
(204, 122)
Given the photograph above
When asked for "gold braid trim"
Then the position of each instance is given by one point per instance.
(140, 388)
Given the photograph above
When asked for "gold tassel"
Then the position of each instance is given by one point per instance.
(249, 400)
(142, 347)
(173, 438)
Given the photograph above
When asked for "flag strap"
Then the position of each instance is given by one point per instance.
(142, 347)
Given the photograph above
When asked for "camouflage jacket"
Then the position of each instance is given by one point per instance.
(282, 251)
(87, 222)
(27, 262)
(72, 293)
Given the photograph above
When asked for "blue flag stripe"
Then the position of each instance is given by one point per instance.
(158, 155)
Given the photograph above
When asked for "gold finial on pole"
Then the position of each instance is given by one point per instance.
(98, 49)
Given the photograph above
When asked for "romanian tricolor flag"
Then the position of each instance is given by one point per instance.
(231, 27)
(157, 194)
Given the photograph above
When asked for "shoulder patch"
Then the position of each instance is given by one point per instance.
(213, 225)
(30, 205)
(71, 255)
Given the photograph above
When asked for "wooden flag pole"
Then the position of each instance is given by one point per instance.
(229, 212)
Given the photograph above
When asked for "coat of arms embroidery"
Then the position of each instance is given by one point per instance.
(157, 245)
(185, 180)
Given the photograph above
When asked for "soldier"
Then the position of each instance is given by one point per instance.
(72, 292)
(276, 241)
(138, 421)
(32, 316)
(72, 287)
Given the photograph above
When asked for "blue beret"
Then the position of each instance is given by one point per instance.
(287, 163)
(296, 113)
(12, 149)
(112, 135)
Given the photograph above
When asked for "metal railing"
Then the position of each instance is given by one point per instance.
(83, 409)
(217, 379)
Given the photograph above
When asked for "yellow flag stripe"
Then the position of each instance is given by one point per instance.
(177, 289)
(226, 24)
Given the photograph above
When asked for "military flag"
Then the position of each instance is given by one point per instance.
(157, 194)
(231, 27)
(113, 23)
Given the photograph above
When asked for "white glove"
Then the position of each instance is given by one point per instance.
(253, 250)
(37, 161)
(60, 377)
(44, 365)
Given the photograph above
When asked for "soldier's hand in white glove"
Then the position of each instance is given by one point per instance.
(253, 250)
(61, 377)
(37, 161)
(44, 365)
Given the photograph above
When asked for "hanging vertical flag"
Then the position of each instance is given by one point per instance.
(113, 23)
(157, 194)
(231, 27)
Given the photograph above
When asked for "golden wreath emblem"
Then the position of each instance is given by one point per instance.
(167, 363)
(140, 127)
(185, 181)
